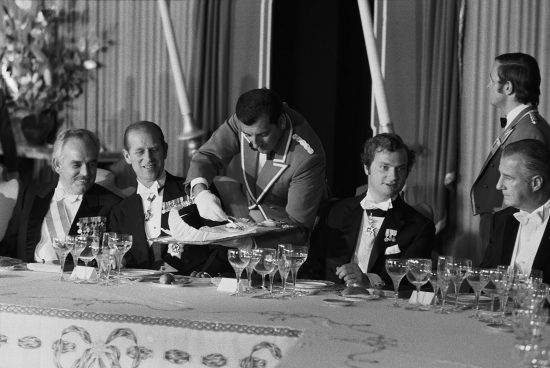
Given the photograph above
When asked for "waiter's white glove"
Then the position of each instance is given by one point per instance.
(210, 206)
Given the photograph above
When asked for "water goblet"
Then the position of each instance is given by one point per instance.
(396, 269)
(254, 258)
(297, 256)
(419, 269)
(266, 264)
(238, 258)
(459, 269)
(122, 244)
(62, 249)
(80, 242)
(478, 278)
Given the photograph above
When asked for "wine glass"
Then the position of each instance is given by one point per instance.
(90, 250)
(432, 278)
(459, 269)
(502, 280)
(297, 256)
(238, 258)
(478, 278)
(283, 264)
(267, 262)
(255, 255)
(419, 269)
(121, 244)
(397, 269)
(62, 248)
(80, 242)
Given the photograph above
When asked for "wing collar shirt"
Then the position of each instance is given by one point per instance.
(530, 232)
(365, 241)
(44, 251)
(151, 198)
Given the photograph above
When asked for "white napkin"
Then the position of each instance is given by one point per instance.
(84, 273)
(44, 267)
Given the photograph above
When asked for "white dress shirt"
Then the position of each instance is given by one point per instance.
(151, 198)
(530, 232)
(365, 241)
(44, 251)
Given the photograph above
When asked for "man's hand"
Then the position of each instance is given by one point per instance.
(209, 206)
(350, 273)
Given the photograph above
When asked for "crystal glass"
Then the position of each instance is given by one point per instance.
(396, 269)
(62, 248)
(444, 280)
(80, 242)
(297, 257)
(238, 258)
(478, 278)
(459, 269)
(283, 264)
(104, 266)
(267, 262)
(419, 269)
(502, 280)
(432, 278)
(121, 244)
(91, 249)
(255, 255)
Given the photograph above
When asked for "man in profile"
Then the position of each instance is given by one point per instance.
(53, 209)
(358, 234)
(144, 214)
(282, 163)
(514, 88)
(520, 235)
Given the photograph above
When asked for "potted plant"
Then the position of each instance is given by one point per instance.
(44, 64)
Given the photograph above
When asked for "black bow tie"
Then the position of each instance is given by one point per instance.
(503, 122)
(376, 212)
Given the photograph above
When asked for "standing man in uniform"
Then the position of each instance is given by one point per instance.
(514, 88)
(282, 163)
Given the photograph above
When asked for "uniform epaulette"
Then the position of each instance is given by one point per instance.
(534, 116)
(303, 143)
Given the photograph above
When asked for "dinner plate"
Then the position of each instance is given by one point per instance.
(313, 284)
(138, 272)
(354, 297)
(338, 302)
(467, 299)
(175, 284)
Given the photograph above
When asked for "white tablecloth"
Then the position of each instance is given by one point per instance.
(307, 331)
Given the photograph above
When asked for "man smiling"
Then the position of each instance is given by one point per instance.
(358, 234)
(281, 159)
(53, 209)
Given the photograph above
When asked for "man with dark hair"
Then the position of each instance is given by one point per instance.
(520, 235)
(514, 87)
(281, 158)
(52, 210)
(145, 213)
(358, 234)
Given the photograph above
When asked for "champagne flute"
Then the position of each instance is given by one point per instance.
(254, 258)
(459, 269)
(419, 269)
(478, 278)
(238, 258)
(444, 279)
(266, 263)
(397, 269)
(283, 263)
(62, 248)
(297, 256)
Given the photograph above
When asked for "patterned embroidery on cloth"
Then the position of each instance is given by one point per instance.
(303, 143)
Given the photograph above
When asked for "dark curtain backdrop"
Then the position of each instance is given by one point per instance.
(320, 67)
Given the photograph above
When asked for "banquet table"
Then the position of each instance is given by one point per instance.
(48, 323)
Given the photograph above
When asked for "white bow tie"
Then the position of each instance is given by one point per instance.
(524, 217)
(384, 206)
(61, 194)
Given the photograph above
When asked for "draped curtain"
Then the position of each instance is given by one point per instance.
(436, 122)
(136, 82)
(492, 27)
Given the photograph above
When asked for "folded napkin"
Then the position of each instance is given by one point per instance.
(44, 267)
